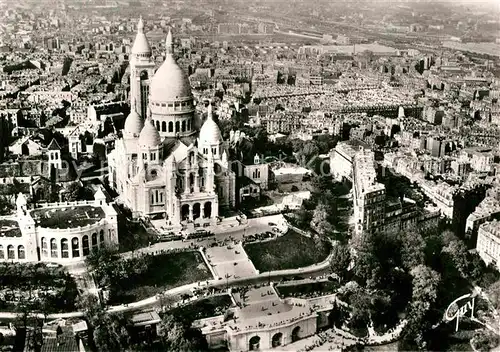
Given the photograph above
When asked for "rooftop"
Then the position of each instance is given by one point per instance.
(67, 217)
(9, 228)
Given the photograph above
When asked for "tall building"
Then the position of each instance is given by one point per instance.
(368, 194)
(141, 70)
(163, 167)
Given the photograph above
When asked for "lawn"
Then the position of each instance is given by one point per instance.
(290, 251)
(159, 273)
(69, 217)
(313, 289)
(204, 308)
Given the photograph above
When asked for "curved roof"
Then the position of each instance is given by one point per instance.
(149, 136)
(210, 131)
(141, 44)
(133, 124)
(169, 83)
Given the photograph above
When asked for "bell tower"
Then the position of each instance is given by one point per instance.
(141, 71)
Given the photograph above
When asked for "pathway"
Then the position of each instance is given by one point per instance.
(316, 269)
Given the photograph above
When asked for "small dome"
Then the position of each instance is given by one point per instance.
(149, 136)
(210, 132)
(141, 44)
(133, 124)
(169, 83)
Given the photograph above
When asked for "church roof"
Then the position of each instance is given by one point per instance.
(141, 44)
(133, 124)
(149, 136)
(210, 132)
(53, 145)
(169, 83)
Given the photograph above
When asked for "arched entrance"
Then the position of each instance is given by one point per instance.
(277, 340)
(185, 212)
(254, 343)
(296, 334)
(196, 211)
(207, 210)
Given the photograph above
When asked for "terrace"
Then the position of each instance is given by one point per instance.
(68, 217)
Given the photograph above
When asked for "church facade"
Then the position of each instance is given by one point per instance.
(164, 166)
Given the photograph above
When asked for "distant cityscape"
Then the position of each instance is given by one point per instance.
(249, 175)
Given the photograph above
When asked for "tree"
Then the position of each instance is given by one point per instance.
(425, 285)
(412, 249)
(457, 251)
(319, 222)
(177, 337)
(6, 206)
(73, 192)
(341, 259)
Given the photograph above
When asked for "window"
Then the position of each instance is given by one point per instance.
(2, 254)
(21, 253)
(94, 241)
(45, 252)
(183, 126)
(164, 126)
(177, 126)
(170, 126)
(161, 197)
(10, 252)
(75, 247)
(214, 151)
(53, 248)
(101, 237)
(152, 199)
(85, 245)
(157, 195)
(64, 248)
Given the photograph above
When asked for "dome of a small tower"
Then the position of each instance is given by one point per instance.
(141, 44)
(210, 131)
(149, 136)
(133, 124)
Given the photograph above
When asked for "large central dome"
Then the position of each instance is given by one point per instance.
(170, 98)
(169, 83)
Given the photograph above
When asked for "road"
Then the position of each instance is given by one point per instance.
(235, 233)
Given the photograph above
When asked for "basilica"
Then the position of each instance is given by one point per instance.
(164, 166)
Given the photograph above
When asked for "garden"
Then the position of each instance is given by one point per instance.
(290, 251)
(313, 289)
(37, 288)
(146, 275)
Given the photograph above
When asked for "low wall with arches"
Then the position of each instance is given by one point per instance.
(271, 337)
